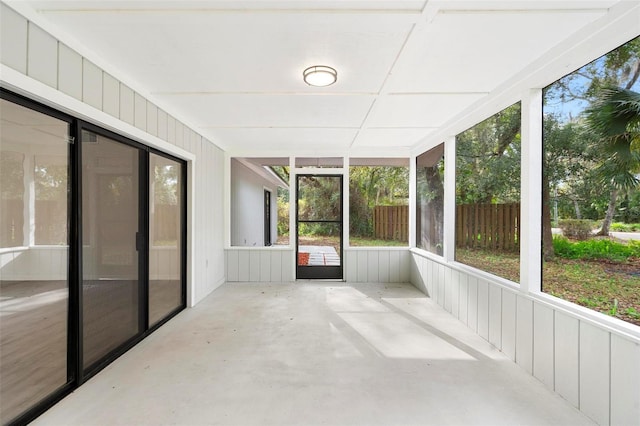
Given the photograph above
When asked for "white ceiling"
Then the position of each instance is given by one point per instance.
(233, 69)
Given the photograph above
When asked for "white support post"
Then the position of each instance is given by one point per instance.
(449, 225)
(412, 201)
(531, 193)
(227, 200)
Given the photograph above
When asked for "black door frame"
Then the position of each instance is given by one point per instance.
(320, 272)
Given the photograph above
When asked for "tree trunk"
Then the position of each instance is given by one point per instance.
(548, 252)
(608, 218)
(576, 207)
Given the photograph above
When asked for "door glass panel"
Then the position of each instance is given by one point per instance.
(165, 265)
(319, 227)
(110, 205)
(34, 293)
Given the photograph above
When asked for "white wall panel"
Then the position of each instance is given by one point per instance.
(288, 273)
(265, 266)
(162, 124)
(254, 266)
(276, 266)
(594, 373)
(70, 71)
(127, 107)
(404, 266)
(13, 39)
(383, 266)
(438, 279)
(152, 121)
(42, 57)
(415, 276)
(111, 95)
(363, 266)
(566, 344)
(171, 129)
(140, 112)
(543, 344)
(179, 140)
(495, 315)
(455, 293)
(509, 324)
(625, 381)
(351, 266)
(394, 266)
(243, 265)
(448, 289)
(483, 309)
(464, 298)
(372, 267)
(472, 315)
(524, 333)
(91, 84)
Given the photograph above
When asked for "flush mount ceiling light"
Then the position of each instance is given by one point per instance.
(320, 76)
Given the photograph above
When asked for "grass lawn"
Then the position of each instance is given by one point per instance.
(596, 284)
(317, 240)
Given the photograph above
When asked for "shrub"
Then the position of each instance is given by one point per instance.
(596, 249)
(625, 227)
(579, 229)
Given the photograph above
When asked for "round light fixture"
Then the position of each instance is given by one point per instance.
(320, 76)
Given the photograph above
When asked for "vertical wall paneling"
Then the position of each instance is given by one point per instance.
(383, 266)
(232, 265)
(543, 344)
(42, 56)
(171, 129)
(243, 265)
(265, 266)
(288, 263)
(509, 324)
(140, 112)
(372, 269)
(276, 266)
(404, 266)
(111, 95)
(152, 121)
(13, 39)
(351, 266)
(70, 72)
(464, 298)
(179, 140)
(254, 266)
(448, 289)
(162, 124)
(455, 293)
(126, 104)
(495, 315)
(414, 273)
(594, 373)
(483, 309)
(625, 381)
(363, 266)
(524, 331)
(394, 266)
(472, 315)
(91, 84)
(566, 343)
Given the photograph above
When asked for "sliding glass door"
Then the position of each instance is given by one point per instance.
(92, 251)
(111, 245)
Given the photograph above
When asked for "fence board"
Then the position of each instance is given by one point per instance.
(391, 222)
(488, 226)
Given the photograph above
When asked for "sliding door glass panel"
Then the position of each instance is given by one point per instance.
(110, 211)
(34, 292)
(165, 239)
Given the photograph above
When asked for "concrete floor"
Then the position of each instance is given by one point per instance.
(311, 354)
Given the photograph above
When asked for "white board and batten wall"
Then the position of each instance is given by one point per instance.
(594, 367)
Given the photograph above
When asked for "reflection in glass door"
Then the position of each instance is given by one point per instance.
(166, 293)
(111, 286)
(319, 226)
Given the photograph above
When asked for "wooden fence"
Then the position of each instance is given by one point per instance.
(391, 222)
(490, 226)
